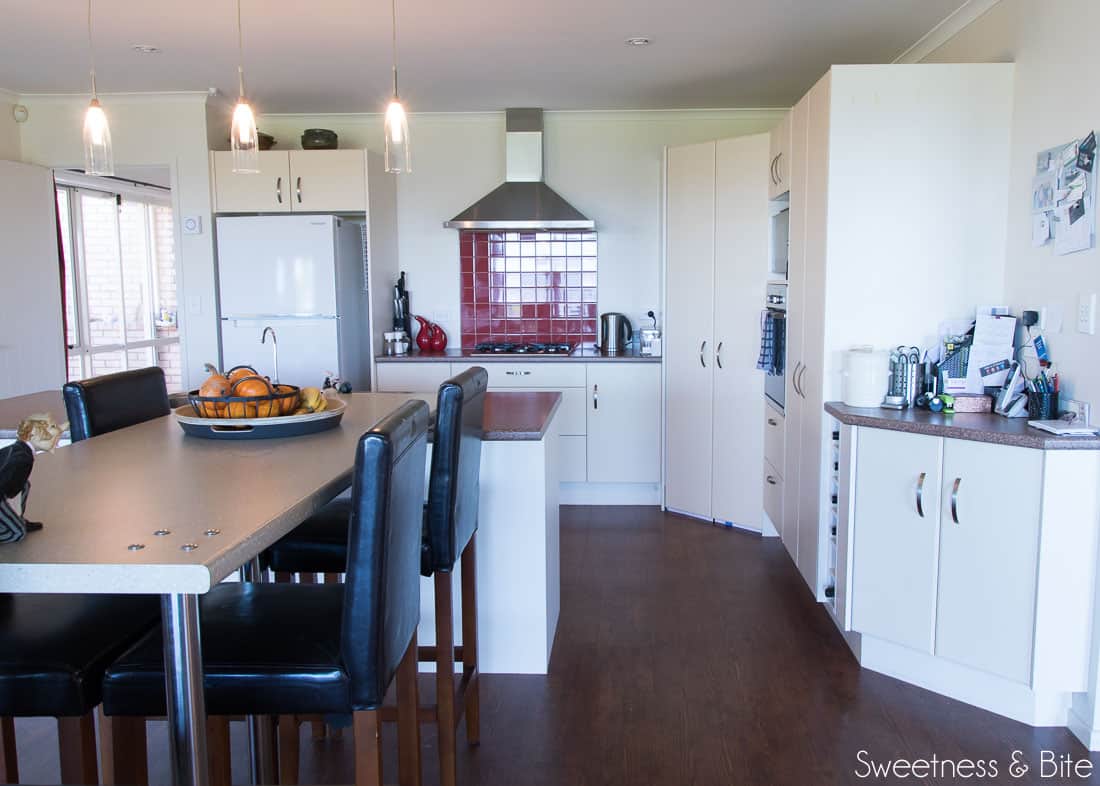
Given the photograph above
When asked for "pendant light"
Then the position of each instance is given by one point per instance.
(244, 141)
(99, 159)
(397, 122)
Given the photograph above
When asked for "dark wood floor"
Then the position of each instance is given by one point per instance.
(685, 654)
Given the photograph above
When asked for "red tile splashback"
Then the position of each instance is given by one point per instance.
(528, 286)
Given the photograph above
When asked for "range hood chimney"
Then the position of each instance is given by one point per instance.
(523, 200)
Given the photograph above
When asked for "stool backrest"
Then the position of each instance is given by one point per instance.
(113, 401)
(455, 481)
(382, 591)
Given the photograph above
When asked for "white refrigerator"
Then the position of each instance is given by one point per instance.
(302, 276)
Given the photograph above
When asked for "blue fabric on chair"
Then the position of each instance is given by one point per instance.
(113, 401)
(306, 648)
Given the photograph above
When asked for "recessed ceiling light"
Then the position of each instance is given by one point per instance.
(145, 49)
(639, 40)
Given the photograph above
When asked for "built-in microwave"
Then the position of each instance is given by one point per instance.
(780, 239)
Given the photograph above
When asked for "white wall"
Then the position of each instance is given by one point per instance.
(9, 129)
(608, 164)
(163, 130)
(1052, 107)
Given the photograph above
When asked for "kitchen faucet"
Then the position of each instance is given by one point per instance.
(274, 348)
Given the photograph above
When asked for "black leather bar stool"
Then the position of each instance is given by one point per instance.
(273, 649)
(450, 526)
(54, 649)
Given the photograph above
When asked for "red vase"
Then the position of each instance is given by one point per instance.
(424, 335)
(438, 339)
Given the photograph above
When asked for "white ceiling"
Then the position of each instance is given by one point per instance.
(333, 55)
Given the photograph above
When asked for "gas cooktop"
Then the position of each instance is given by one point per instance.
(533, 348)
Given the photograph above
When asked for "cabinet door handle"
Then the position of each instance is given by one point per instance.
(518, 373)
(955, 500)
(920, 494)
(279, 189)
(773, 422)
(718, 355)
(298, 189)
(771, 480)
(801, 376)
(702, 349)
(794, 377)
(595, 397)
(778, 174)
(776, 158)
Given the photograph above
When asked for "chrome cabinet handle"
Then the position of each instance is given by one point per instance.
(794, 377)
(718, 355)
(955, 500)
(801, 376)
(298, 189)
(773, 422)
(702, 349)
(595, 397)
(518, 373)
(778, 174)
(774, 161)
(771, 480)
(279, 189)
(920, 494)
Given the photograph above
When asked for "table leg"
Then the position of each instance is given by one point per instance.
(184, 681)
(262, 749)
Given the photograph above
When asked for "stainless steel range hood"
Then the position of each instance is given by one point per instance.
(523, 200)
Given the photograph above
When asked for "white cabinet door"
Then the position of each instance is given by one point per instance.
(624, 416)
(740, 273)
(989, 543)
(328, 181)
(689, 328)
(788, 528)
(815, 446)
(897, 491)
(779, 177)
(411, 376)
(267, 191)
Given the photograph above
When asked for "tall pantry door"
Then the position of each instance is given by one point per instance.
(792, 426)
(689, 327)
(741, 269)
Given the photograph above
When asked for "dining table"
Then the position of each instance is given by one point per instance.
(149, 510)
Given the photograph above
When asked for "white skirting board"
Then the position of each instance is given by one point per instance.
(610, 494)
(1012, 699)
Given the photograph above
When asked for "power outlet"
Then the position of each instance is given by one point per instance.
(1086, 313)
(1080, 410)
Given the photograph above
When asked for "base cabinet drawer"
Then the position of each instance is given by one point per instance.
(552, 375)
(773, 493)
(773, 439)
(412, 377)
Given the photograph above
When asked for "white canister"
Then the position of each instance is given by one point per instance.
(866, 375)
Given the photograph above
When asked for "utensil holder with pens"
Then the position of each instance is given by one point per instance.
(1042, 406)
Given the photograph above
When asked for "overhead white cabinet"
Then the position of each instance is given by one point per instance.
(306, 181)
(780, 168)
(989, 549)
(717, 235)
(624, 406)
(897, 507)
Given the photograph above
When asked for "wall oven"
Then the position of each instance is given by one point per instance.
(773, 344)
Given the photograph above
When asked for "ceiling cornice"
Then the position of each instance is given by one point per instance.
(460, 115)
(5, 93)
(182, 97)
(939, 35)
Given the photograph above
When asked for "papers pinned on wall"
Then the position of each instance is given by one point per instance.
(1063, 197)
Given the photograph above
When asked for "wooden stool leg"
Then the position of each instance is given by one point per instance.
(368, 748)
(218, 751)
(469, 642)
(76, 744)
(408, 724)
(289, 750)
(445, 678)
(9, 760)
(123, 757)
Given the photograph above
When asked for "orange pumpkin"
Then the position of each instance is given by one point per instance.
(215, 386)
(252, 385)
(241, 372)
(290, 403)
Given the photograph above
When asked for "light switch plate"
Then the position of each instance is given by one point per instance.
(191, 225)
(1051, 319)
(1086, 313)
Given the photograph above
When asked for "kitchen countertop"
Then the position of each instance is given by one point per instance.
(586, 355)
(514, 417)
(976, 427)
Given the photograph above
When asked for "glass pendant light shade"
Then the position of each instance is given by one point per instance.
(397, 138)
(99, 158)
(244, 140)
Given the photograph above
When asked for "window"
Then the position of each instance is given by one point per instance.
(120, 281)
